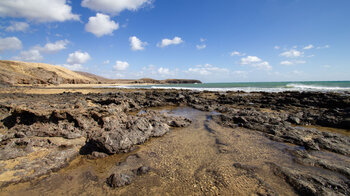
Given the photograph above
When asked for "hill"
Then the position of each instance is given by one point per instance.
(15, 72)
(18, 73)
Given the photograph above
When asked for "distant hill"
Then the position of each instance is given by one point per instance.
(102, 80)
(180, 81)
(16, 72)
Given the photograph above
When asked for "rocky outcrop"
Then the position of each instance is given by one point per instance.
(56, 128)
(312, 184)
(136, 130)
(278, 127)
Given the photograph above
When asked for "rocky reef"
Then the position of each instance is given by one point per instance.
(59, 127)
(40, 134)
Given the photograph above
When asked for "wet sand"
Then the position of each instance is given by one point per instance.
(202, 159)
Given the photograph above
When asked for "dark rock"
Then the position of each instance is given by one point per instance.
(142, 170)
(110, 125)
(136, 131)
(294, 120)
(306, 183)
(118, 180)
(271, 123)
(20, 135)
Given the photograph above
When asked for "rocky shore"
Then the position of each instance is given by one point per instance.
(41, 134)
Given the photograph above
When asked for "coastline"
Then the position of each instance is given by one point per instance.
(78, 125)
(248, 87)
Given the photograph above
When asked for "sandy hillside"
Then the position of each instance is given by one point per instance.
(15, 72)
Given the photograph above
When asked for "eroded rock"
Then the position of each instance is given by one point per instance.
(118, 180)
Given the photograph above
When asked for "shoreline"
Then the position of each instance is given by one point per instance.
(78, 124)
(102, 88)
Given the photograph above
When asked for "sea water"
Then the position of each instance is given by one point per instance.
(322, 86)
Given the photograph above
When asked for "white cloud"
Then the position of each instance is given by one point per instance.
(323, 47)
(167, 42)
(78, 57)
(276, 47)
(31, 55)
(10, 43)
(292, 62)
(106, 62)
(164, 71)
(38, 10)
(256, 62)
(236, 53)
(121, 65)
(201, 47)
(114, 6)
(149, 71)
(17, 26)
(53, 47)
(262, 65)
(206, 69)
(308, 47)
(286, 63)
(136, 43)
(34, 54)
(100, 25)
(292, 53)
(250, 59)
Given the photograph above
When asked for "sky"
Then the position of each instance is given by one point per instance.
(209, 40)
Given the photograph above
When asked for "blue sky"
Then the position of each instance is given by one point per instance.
(214, 41)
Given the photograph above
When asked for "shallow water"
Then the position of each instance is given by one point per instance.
(330, 129)
(202, 159)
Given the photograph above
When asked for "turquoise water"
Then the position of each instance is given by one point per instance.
(338, 86)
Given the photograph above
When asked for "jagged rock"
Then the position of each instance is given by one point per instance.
(118, 180)
(110, 124)
(306, 183)
(136, 131)
(273, 124)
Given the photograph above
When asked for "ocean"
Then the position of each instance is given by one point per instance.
(322, 86)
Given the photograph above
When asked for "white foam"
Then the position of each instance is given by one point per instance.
(288, 87)
(314, 87)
